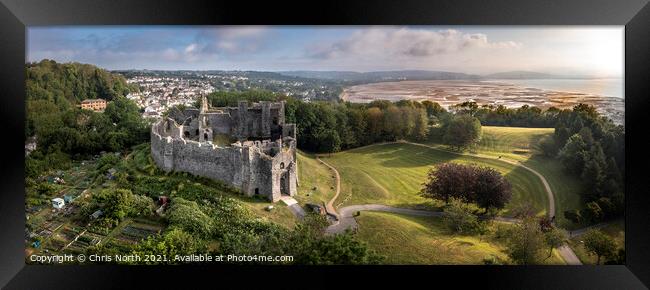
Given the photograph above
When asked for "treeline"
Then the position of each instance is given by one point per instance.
(524, 116)
(328, 127)
(72, 82)
(591, 148)
(62, 130)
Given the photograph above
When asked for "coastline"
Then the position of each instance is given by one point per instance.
(483, 92)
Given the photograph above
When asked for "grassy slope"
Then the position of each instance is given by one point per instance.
(615, 230)
(280, 214)
(313, 174)
(511, 142)
(393, 173)
(520, 144)
(424, 240)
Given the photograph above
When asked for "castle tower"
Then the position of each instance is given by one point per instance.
(242, 125)
(266, 119)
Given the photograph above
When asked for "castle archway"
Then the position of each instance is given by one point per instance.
(284, 184)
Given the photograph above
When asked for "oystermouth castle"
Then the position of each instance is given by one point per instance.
(249, 146)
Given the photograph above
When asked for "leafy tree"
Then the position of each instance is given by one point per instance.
(173, 242)
(491, 189)
(329, 141)
(462, 131)
(142, 205)
(548, 146)
(599, 244)
(574, 154)
(309, 245)
(447, 181)
(617, 259)
(116, 203)
(526, 242)
(484, 186)
(573, 215)
(593, 212)
(433, 109)
(555, 238)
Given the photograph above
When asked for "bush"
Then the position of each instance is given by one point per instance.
(548, 146)
(189, 216)
(593, 212)
(573, 215)
(458, 218)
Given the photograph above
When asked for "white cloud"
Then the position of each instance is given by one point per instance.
(406, 42)
(190, 48)
(243, 39)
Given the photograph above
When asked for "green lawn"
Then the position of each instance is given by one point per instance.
(565, 187)
(280, 214)
(316, 182)
(393, 174)
(425, 240)
(615, 230)
(520, 144)
(512, 142)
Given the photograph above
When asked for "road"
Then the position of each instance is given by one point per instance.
(345, 218)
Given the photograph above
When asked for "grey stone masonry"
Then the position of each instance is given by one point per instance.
(259, 159)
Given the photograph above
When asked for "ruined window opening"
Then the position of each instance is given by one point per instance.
(187, 134)
(257, 191)
(281, 165)
(275, 120)
(197, 132)
(205, 136)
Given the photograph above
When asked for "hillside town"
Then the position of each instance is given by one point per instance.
(161, 90)
(157, 94)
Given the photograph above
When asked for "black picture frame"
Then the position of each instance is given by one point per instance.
(15, 15)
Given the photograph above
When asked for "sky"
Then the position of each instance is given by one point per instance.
(595, 51)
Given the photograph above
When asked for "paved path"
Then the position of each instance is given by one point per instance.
(565, 251)
(345, 218)
(583, 231)
(549, 193)
(329, 207)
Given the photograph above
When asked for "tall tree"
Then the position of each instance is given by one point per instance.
(462, 130)
(599, 244)
(526, 242)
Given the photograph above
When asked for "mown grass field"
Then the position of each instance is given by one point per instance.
(520, 144)
(316, 183)
(393, 174)
(512, 142)
(616, 230)
(425, 240)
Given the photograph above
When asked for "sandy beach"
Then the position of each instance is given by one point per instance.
(452, 92)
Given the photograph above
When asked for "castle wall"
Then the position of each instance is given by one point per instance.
(221, 123)
(267, 168)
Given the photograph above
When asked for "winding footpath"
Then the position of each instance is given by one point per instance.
(345, 218)
(329, 207)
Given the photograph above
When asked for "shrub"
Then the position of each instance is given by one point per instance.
(458, 218)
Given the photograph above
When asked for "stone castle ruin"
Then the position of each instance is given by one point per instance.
(249, 146)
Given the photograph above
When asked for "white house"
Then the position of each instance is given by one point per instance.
(58, 203)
